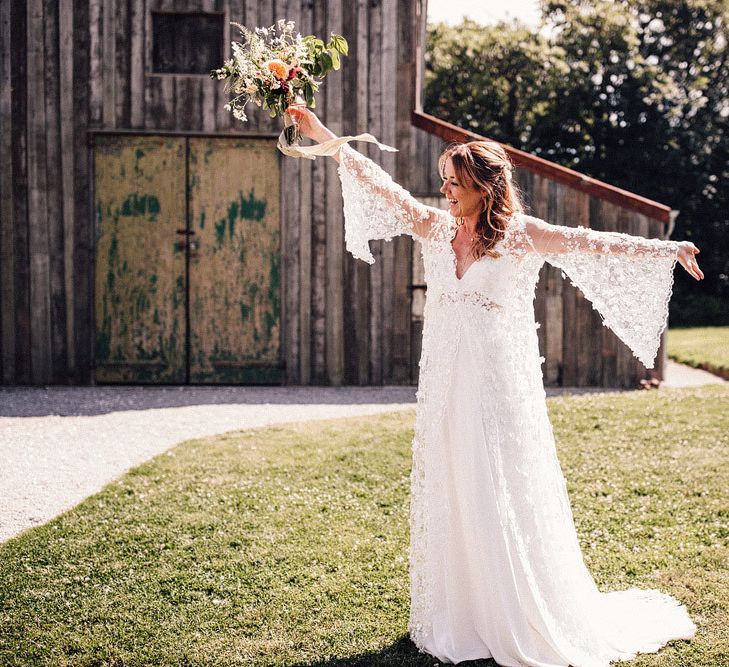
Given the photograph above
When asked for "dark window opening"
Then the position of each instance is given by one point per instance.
(186, 43)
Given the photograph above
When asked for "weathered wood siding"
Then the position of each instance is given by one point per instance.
(70, 71)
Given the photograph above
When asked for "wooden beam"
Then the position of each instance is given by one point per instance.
(83, 220)
(377, 349)
(305, 215)
(40, 306)
(108, 63)
(54, 196)
(68, 159)
(290, 241)
(361, 281)
(7, 208)
(334, 300)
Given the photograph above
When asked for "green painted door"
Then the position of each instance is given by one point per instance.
(187, 260)
(139, 185)
(235, 267)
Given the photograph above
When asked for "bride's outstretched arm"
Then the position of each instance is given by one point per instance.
(548, 239)
(628, 279)
(375, 206)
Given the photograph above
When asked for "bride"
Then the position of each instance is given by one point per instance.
(495, 563)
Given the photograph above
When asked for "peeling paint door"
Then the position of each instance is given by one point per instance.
(235, 263)
(139, 185)
(187, 260)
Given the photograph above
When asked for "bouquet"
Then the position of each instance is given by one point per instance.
(275, 68)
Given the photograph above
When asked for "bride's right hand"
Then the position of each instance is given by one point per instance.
(309, 125)
(686, 258)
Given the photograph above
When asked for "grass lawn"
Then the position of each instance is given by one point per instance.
(701, 347)
(288, 545)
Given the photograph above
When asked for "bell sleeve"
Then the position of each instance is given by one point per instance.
(628, 279)
(375, 207)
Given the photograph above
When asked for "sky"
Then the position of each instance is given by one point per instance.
(483, 11)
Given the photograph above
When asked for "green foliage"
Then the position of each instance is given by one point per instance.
(288, 545)
(633, 92)
(325, 58)
(490, 80)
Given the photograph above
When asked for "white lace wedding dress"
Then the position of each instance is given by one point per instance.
(495, 562)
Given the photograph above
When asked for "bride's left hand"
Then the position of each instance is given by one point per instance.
(686, 258)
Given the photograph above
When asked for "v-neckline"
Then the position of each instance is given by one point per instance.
(454, 259)
(454, 262)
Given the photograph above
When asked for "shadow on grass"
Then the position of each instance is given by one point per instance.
(401, 653)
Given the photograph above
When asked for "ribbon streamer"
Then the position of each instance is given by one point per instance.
(327, 147)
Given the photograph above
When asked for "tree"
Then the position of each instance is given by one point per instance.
(498, 82)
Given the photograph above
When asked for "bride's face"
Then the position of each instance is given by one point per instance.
(464, 199)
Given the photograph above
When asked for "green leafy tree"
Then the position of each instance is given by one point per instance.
(490, 80)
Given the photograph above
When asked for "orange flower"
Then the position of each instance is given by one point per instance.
(278, 67)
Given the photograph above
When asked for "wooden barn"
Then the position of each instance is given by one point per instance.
(146, 236)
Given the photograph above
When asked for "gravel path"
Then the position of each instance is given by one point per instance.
(681, 375)
(59, 445)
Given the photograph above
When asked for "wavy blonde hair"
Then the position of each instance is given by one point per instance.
(486, 166)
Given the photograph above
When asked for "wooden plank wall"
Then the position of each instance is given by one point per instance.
(578, 349)
(354, 319)
(36, 120)
(11, 70)
(46, 239)
(71, 68)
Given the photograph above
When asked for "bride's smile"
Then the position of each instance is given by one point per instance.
(465, 201)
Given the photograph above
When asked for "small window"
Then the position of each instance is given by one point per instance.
(186, 43)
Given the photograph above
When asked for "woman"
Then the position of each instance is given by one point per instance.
(495, 563)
